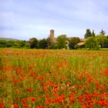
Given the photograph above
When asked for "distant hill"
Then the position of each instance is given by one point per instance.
(5, 38)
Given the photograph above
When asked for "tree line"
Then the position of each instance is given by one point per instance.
(92, 41)
(61, 42)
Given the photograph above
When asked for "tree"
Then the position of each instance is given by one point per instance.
(42, 44)
(106, 43)
(102, 32)
(91, 43)
(13, 43)
(50, 43)
(33, 42)
(10, 43)
(3, 43)
(88, 33)
(61, 41)
(93, 34)
(22, 44)
(73, 42)
(102, 40)
(16, 44)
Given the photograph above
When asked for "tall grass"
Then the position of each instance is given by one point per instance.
(53, 79)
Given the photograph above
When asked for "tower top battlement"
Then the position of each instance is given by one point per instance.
(51, 30)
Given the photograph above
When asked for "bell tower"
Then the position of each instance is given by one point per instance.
(52, 34)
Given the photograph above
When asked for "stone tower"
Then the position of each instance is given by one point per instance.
(52, 34)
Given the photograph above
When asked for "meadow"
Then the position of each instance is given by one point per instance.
(53, 78)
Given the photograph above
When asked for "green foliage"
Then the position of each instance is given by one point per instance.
(42, 44)
(73, 42)
(102, 32)
(33, 42)
(50, 43)
(3, 43)
(10, 43)
(88, 33)
(17, 44)
(102, 41)
(13, 44)
(61, 41)
(93, 34)
(91, 43)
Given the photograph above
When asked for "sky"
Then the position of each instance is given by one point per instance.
(24, 19)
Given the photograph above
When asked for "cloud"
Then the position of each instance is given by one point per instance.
(24, 19)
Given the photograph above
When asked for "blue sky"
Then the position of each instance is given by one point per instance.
(23, 19)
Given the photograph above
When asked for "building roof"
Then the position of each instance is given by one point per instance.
(80, 43)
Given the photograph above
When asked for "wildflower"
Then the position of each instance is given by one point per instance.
(60, 64)
(105, 72)
(29, 89)
(15, 80)
(30, 67)
(23, 100)
(45, 88)
(83, 106)
(46, 96)
(71, 96)
(33, 99)
(26, 106)
(33, 74)
(55, 94)
(48, 101)
(2, 105)
(15, 106)
(103, 102)
(18, 70)
(28, 98)
(59, 99)
(40, 106)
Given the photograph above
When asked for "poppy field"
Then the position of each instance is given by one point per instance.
(53, 78)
